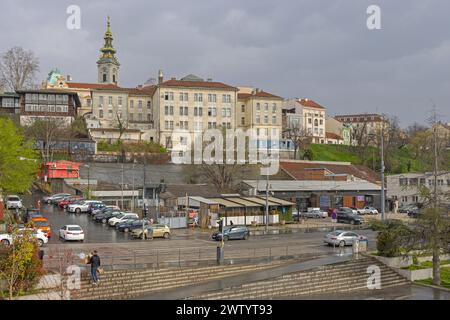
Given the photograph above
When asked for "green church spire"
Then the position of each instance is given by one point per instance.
(108, 52)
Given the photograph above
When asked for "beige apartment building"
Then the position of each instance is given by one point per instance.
(367, 123)
(307, 115)
(192, 104)
(261, 111)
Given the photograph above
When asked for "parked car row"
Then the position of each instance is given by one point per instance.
(8, 238)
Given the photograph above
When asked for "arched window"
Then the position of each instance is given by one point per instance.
(316, 122)
(104, 77)
(114, 78)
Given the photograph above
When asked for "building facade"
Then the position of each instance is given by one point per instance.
(42, 104)
(260, 111)
(306, 115)
(336, 130)
(364, 125)
(405, 188)
(9, 102)
(194, 105)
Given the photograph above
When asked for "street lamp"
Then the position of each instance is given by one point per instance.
(89, 181)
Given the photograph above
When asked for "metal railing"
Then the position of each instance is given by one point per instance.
(179, 257)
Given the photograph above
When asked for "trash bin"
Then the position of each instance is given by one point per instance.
(356, 246)
(219, 255)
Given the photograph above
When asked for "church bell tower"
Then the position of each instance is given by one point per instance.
(108, 65)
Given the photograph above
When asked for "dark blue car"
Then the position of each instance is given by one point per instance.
(232, 233)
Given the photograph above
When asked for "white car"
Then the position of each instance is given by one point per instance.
(7, 239)
(13, 202)
(315, 213)
(82, 206)
(71, 232)
(122, 217)
(367, 210)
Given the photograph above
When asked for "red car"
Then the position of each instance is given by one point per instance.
(63, 203)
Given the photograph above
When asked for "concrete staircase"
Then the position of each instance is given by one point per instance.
(337, 278)
(126, 284)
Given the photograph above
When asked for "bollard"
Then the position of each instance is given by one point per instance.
(219, 255)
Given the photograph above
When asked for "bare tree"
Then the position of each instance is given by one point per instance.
(18, 68)
(48, 131)
(299, 138)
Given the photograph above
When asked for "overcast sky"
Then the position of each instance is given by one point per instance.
(314, 49)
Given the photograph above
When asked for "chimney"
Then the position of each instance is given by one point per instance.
(160, 77)
(69, 78)
(209, 79)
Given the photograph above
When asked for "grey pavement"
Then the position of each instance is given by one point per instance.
(406, 292)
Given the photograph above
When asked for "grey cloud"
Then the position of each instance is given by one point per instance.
(319, 49)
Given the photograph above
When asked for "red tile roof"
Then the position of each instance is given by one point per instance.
(299, 170)
(259, 94)
(80, 85)
(310, 103)
(197, 84)
(331, 135)
(147, 91)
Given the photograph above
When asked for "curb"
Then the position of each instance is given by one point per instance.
(430, 286)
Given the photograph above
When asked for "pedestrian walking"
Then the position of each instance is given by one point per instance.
(94, 261)
(231, 222)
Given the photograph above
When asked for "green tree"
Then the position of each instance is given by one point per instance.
(20, 267)
(18, 160)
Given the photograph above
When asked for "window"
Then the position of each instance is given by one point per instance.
(266, 119)
(243, 123)
(274, 119)
(403, 181)
(140, 116)
(404, 199)
(200, 111)
(266, 106)
(415, 199)
(274, 132)
(181, 111)
(149, 104)
(119, 101)
(110, 113)
(149, 118)
(166, 110)
(168, 96)
(195, 112)
(309, 120)
(186, 111)
(110, 100)
(131, 117)
(448, 182)
(198, 97)
(131, 104)
(258, 106)
(243, 108)
(226, 98)
(413, 182)
(212, 97)
(274, 107)
(440, 182)
(321, 121)
(171, 110)
(100, 115)
(258, 120)
(166, 125)
(104, 77)
(140, 104)
(88, 102)
(316, 122)
(212, 112)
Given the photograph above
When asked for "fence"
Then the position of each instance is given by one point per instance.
(179, 257)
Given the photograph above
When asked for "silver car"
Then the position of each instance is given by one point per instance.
(343, 238)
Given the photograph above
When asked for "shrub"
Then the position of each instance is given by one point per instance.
(393, 238)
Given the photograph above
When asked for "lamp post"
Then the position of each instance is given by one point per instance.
(89, 181)
(383, 196)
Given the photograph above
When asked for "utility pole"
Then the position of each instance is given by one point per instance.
(267, 201)
(144, 207)
(383, 195)
(122, 186)
(132, 194)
